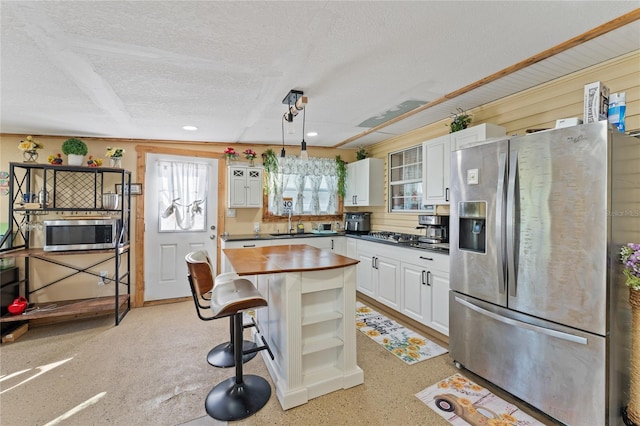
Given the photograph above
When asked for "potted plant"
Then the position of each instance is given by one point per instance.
(115, 155)
(75, 150)
(361, 153)
(630, 257)
(30, 148)
(461, 120)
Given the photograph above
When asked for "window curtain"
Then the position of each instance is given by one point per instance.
(276, 205)
(314, 170)
(183, 193)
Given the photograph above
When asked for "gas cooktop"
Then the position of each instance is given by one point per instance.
(409, 240)
(391, 237)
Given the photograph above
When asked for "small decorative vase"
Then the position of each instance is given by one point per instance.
(252, 162)
(30, 156)
(75, 160)
(115, 162)
(633, 410)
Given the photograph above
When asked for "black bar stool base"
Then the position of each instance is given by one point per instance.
(229, 400)
(222, 355)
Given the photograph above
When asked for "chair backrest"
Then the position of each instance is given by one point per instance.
(200, 277)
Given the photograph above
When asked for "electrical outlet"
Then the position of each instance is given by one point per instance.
(103, 275)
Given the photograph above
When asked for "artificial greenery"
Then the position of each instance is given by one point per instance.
(361, 153)
(341, 170)
(461, 120)
(74, 146)
(270, 163)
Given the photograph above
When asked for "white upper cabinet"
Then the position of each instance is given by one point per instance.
(476, 134)
(245, 187)
(365, 183)
(436, 155)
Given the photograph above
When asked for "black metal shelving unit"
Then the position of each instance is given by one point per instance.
(72, 190)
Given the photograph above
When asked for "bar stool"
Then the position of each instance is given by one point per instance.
(242, 395)
(202, 284)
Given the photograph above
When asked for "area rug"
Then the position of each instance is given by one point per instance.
(405, 344)
(461, 402)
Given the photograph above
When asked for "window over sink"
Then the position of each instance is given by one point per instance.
(310, 187)
(405, 180)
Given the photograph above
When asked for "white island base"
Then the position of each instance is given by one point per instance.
(310, 327)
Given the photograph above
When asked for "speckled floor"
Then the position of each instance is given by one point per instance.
(152, 370)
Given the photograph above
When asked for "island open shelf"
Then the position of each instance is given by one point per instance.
(310, 320)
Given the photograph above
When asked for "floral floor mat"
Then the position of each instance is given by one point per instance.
(407, 345)
(462, 402)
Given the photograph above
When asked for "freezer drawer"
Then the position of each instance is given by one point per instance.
(559, 370)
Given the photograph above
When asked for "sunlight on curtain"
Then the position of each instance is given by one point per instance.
(182, 197)
(311, 183)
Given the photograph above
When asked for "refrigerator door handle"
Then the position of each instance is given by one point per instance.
(516, 323)
(500, 196)
(512, 275)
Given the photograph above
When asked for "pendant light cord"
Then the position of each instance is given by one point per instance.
(282, 152)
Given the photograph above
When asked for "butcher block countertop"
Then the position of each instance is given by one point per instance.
(288, 258)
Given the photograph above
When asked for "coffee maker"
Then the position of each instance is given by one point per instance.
(357, 222)
(436, 228)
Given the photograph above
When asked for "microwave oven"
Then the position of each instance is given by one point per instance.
(81, 234)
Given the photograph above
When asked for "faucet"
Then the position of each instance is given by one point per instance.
(289, 223)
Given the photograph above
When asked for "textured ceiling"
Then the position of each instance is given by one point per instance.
(143, 69)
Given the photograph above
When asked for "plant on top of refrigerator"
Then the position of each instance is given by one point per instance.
(630, 256)
(461, 121)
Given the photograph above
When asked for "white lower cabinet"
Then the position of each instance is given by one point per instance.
(425, 296)
(413, 282)
(378, 276)
(351, 247)
(388, 275)
(365, 281)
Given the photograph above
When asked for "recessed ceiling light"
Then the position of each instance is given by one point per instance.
(312, 134)
(190, 128)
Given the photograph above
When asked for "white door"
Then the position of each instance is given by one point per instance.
(175, 228)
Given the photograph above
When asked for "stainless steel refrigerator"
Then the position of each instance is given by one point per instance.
(538, 304)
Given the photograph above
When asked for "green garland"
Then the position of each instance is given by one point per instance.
(270, 162)
(341, 170)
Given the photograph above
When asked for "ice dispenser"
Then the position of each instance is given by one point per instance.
(473, 217)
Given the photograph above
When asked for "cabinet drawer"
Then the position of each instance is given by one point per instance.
(426, 259)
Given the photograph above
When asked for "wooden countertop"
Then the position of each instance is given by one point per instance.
(287, 258)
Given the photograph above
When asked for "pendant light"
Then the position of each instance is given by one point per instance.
(304, 155)
(282, 152)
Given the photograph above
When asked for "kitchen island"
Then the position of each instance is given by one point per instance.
(310, 321)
